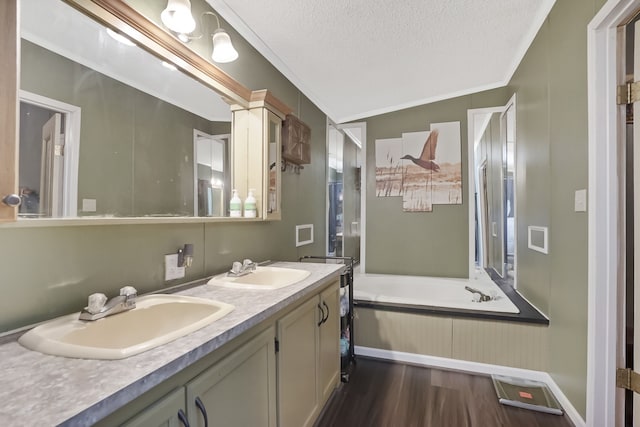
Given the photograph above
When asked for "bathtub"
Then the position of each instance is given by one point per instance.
(430, 291)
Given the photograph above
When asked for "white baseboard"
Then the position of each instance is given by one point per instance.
(476, 368)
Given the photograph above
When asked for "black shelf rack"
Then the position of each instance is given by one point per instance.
(346, 320)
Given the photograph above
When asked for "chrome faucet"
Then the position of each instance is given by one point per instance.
(99, 307)
(238, 270)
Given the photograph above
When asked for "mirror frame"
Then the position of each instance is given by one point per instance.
(121, 17)
(9, 72)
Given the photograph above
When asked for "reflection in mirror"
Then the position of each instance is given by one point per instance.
(212, 179)
(508, 119)
(344, 161)
(494, 174)
(274, 135)
(106, 129)
(48, 174)
(335, 183)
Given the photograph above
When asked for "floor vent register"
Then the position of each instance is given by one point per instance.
(526, 394)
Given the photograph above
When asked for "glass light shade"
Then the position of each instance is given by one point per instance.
(177, 16)
(223, 50)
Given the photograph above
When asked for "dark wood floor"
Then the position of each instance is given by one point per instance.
(396, 395)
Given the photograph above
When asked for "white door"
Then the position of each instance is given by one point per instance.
(52, 168)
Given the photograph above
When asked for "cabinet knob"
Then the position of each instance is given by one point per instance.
(12, 200)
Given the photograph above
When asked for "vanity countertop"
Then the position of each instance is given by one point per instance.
(43, 390)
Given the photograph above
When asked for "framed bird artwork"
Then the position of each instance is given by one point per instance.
(432, 168)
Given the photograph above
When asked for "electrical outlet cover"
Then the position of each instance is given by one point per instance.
(171, 269)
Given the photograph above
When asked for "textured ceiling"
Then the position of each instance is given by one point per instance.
(357, 58)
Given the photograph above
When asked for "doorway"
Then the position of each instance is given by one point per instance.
(606, 207)
(49, 151)
(211, 177)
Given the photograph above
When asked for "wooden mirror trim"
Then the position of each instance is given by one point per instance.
(9, 66)
(261, 97)
(122, 17)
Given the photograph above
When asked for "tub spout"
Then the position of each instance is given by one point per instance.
(483, 297)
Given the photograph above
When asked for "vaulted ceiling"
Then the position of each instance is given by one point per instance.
(358, 58)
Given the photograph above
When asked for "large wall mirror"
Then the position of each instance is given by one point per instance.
(493, 216)
(138, 126)
(108, 129)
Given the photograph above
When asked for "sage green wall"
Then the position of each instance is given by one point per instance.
(133, 146)
(51, 270)
(551, 141)
(427, 243)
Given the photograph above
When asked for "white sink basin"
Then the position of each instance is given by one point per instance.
(156, 320)
(262, 278)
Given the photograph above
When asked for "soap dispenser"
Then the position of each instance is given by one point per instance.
(235, 205)
(250, 205)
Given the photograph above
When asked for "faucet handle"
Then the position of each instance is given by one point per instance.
(128, 291)
(236, 267)
(96, 302)
(247, 263)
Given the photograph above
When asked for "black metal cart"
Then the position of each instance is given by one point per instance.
(348, 358)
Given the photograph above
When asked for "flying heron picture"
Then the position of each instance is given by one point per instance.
(428, 155)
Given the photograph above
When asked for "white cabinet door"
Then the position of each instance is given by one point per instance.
(329, 357)
(240, 390)
(309, 358)
(166, 412)
(298, 365)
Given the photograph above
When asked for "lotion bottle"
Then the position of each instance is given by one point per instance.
(250, 206)
(235, 206)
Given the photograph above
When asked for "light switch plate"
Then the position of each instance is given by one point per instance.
(580, 201)
(88, 205)
(171, 269)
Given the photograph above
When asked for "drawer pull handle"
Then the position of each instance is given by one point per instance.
(183, 418)
(202, 409)
(321, 315)
(327, 316)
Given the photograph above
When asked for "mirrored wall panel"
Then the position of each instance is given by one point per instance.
(108, 129)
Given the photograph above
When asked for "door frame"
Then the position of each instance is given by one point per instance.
(362, 228)
(197, 133)
(483, 216)
(606, 222)
(71, 131)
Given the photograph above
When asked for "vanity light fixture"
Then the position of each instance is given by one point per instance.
(177, 16)
(223, 50)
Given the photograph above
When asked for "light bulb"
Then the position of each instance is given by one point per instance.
(223, 50)
(177, 16)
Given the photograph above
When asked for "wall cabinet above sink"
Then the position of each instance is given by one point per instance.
(258, 151)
